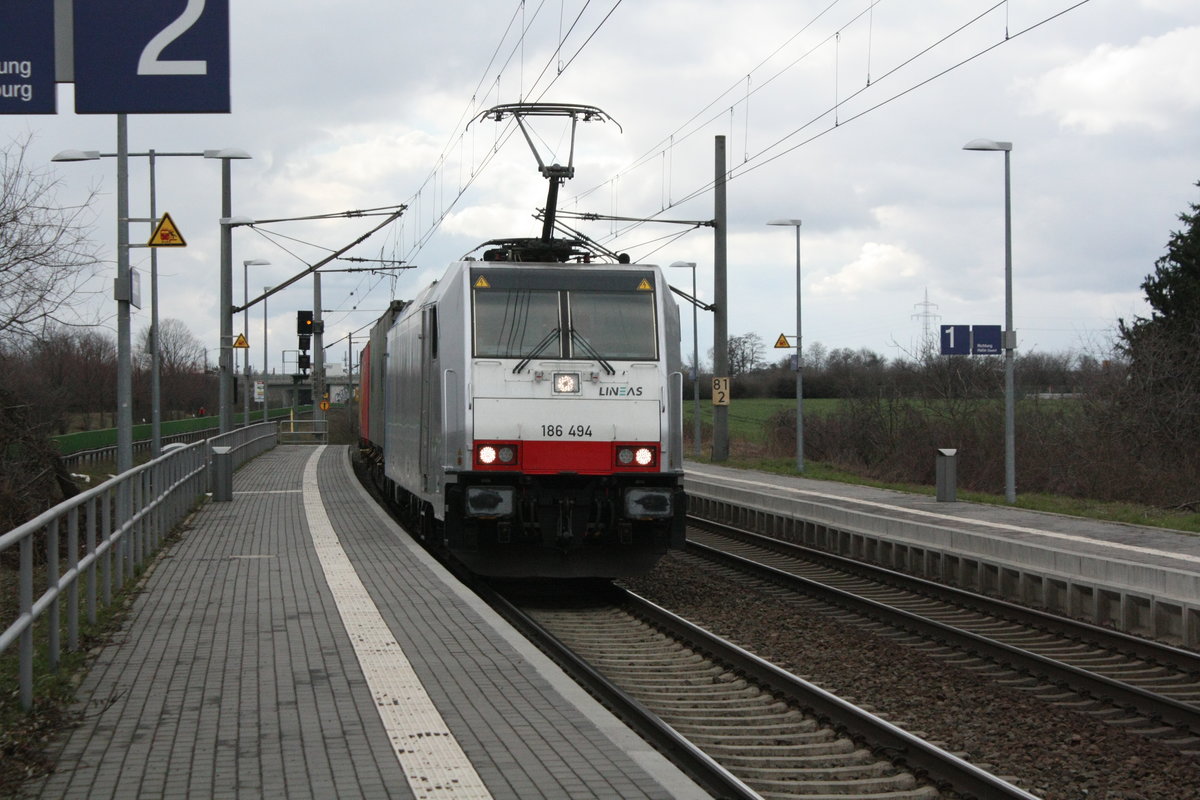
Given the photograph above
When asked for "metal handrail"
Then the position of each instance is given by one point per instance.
(122, 522)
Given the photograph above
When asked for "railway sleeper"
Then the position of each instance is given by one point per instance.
(732, 757)
(862, 788)
(871, 769)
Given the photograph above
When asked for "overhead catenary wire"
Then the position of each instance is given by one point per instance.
(772, 153)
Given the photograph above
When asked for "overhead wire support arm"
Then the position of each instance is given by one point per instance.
(334, 255)
(593, 217)
(587, 241)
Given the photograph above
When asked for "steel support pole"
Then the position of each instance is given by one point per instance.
(799, 364)
(265, 371)
(695, 367)
(123, 290)
(155, 347)
(225, 393)
(720, 447)
(246, 350)
(1010, 343)
(318, 357)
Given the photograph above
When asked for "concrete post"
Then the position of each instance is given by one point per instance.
(947, 475)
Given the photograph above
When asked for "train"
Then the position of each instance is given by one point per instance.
(523, 413)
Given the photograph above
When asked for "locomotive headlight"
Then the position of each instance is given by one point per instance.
(506, 455)
(636, 456)
(487, 454)
(566, 383)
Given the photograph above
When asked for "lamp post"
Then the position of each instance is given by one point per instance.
(799, 350)
(257, 262)
(266, 384)
(1010, 336)
(124, 347)
(225, 369)
(695, 357)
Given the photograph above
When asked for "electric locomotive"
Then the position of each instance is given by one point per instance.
(531, 416)
(524, 412)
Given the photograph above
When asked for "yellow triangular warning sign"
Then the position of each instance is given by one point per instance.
(782, 341)
(241, 342)
(645, 286)
(482, 283)
(166, 234)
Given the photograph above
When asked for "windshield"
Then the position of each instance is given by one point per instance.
(612, 324)
(511, 324)
(561, 314)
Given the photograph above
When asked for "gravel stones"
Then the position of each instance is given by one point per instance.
(1049, 751)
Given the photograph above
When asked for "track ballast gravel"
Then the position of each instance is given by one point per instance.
(1048, 751)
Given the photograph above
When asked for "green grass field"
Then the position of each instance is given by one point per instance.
(748, 416)
(746, 424)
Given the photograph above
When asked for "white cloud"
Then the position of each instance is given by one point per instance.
(1144, 85)
(877, 267)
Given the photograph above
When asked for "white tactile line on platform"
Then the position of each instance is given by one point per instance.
(429, 754)
(919, 512)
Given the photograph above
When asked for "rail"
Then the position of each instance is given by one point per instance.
(107, 532)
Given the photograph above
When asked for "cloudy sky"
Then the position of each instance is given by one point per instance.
(850, 115)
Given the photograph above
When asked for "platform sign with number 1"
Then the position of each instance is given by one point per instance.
(151, 56)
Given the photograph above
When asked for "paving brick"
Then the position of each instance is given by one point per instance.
(234, 676)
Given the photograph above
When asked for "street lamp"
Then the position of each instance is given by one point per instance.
(1010, 336)
(225, 379)
(257, 262)
(695, 356)
(799, 350)
(124, 348)
(266, 380)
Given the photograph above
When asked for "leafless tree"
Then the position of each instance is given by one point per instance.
(181, 360)
(46, 255)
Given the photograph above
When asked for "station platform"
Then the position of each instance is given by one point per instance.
(1139, 579)
(295, 643)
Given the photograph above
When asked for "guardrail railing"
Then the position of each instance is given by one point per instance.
(304, 431)
(105, 534)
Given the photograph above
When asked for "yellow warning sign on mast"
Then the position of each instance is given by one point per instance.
(782, 341)
(241, 342)
(166, 234)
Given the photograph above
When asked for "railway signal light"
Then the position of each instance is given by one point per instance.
(305, 342)
(304, 322)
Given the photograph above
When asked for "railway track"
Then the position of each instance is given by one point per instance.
(1145, 687)
(740, 726)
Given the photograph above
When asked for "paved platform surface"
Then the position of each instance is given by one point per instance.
(1158, 547)
(236, 674)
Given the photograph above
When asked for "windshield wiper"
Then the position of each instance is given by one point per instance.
(591, 351)
(542, 345)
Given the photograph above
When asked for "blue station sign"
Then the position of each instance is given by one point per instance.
(985, 340)
(151, 56)
(27, 58)
(956, 340)
(978, 340)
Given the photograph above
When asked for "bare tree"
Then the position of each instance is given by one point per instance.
(46, 256)
(181, 361)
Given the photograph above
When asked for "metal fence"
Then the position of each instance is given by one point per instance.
(106, 533)
(304, 431)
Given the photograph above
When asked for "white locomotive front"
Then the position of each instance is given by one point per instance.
(532, 417)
